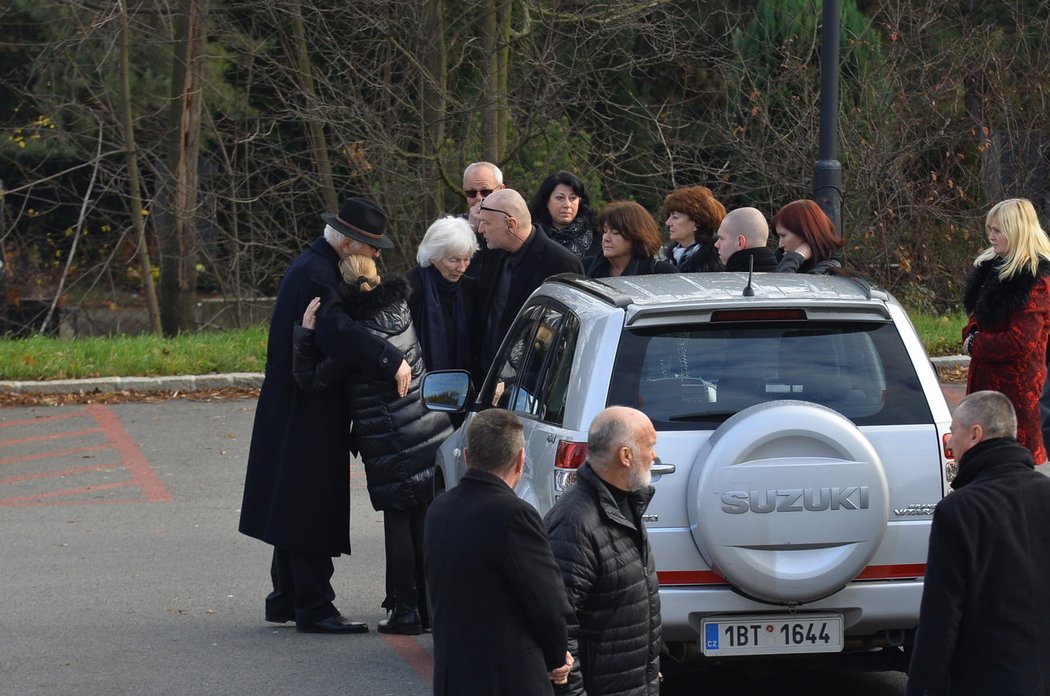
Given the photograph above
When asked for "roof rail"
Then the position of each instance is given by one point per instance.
(859, 281)
(595, 288)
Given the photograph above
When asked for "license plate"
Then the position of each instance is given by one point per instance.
(771, 635)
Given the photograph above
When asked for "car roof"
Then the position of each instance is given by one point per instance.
(649, 296)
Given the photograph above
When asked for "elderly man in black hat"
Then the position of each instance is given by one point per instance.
(297, 486)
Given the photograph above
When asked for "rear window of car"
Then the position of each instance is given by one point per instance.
(685, 379)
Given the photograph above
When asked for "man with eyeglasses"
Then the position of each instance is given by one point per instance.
(520, 258)
(480, 179)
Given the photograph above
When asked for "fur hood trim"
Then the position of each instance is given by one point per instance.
(993, 301)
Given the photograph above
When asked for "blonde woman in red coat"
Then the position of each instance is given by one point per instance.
(1007, 296)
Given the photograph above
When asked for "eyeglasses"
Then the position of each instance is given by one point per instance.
(470, 193)
(495, 210)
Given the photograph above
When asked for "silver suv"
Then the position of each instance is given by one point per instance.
(802, 438)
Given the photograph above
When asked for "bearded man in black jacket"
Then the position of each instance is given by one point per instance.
(598, 539)
(985, 605)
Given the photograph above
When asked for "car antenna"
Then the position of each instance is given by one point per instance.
(748, 290)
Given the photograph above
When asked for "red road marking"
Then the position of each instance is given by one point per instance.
(130, 454)
(128, 457)
(414, 655)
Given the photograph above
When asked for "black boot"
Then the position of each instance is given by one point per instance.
(404, 621)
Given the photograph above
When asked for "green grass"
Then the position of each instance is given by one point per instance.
(240, 351)
(142, 355)
(940, 334)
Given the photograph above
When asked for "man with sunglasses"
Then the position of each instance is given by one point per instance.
(520, 258)
(480, 179)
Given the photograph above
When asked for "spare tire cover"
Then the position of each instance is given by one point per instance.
(788, 501)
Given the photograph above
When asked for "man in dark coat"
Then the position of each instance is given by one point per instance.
(985, 606)
(297, 486)
(498, 607)
(742, 240)
(519, 259)
(598, 539)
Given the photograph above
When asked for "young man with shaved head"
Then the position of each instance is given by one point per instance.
(743, 236)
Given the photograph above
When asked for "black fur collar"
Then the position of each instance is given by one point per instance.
(365, 305)
(994, 301)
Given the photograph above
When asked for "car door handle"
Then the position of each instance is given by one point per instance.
(661, 468)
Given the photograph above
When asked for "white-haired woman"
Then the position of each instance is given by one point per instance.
(1007, 295)
(442, 302)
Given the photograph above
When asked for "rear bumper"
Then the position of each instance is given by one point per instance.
(867, 608)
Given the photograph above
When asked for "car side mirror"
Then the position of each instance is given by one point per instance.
(446, 390)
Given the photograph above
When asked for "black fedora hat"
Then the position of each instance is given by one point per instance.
(363, 220)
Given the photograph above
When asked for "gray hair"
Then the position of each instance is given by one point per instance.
(333, 236)
(494, 438)
(991, 410)
(608, 433)
(449, 234)
(478, 165)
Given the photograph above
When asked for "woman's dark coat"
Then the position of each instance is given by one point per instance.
(297, 485)
(610, 577)
(1008, 353)
(704, 260)
(985, 609)
(468, 290)
(598, 266)
(396, 436)
(792, 262)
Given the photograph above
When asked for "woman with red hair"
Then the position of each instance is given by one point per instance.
(808, 241)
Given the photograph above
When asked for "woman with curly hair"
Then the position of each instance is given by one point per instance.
(562, 209)
(1007, 295)
(807, 239)
(693, 217)
(630, 241)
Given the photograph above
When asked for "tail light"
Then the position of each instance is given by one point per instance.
(951, 468)
(568, 459)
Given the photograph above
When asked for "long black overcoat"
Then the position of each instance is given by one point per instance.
(985, 608)
(498, 605)
(297, 486)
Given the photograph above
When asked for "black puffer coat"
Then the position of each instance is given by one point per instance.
(396, 437)
(610, 577)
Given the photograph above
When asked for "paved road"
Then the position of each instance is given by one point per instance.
(121, 571)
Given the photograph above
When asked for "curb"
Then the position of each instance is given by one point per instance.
(177, 383)
(950, 362)
(248, 380)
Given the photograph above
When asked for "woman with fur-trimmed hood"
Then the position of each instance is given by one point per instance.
(396, 436)
(1007, 296)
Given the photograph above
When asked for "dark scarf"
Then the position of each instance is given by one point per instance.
(577, 236)
(433, 334)
(993, 301)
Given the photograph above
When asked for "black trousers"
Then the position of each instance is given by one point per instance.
(403, 538)
(302, 586)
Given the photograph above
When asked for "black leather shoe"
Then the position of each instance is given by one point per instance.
(333, 624)
(402, 623)
(279, 617)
